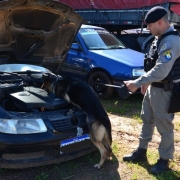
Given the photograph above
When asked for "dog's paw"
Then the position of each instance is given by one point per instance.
(97, 166)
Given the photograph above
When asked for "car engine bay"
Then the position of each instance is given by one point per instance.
(23, 92)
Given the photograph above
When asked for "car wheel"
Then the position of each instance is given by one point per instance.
(97, 81)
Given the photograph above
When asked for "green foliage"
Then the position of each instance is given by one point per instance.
(119, 106)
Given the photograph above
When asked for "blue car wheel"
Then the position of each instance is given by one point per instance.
(97, 81)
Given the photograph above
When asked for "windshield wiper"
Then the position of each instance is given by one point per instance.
(8, 77)
(29, 72)
(98, 48)
(117, 47)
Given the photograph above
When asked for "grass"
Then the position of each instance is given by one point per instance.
(122, 107)
(115, 169)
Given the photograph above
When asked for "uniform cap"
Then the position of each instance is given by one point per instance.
(155, 14)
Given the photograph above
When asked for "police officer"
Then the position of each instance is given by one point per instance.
(161, 65)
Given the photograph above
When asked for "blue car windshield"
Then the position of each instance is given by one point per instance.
(100, 39)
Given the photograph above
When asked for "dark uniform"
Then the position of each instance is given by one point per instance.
(162, 66)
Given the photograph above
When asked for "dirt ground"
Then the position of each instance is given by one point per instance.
(125, 134)
(124, 129)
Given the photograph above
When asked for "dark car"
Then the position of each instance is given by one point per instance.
(36, 127)
(100, 59)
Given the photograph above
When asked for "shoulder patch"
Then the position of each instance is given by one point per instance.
(165, 46)
(166, 56)
(165, 52)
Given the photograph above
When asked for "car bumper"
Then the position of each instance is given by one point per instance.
(15, 155)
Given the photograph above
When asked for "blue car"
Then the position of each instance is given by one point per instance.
(99, 58)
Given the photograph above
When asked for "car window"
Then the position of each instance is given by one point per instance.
(100, 39)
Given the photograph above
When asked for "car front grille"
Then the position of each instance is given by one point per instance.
(61, 122)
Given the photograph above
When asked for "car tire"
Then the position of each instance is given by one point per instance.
(96, 81)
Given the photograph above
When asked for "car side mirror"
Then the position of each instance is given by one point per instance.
(76, 47)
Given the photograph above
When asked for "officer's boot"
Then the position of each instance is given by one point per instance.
(161, 166)
(136, 156)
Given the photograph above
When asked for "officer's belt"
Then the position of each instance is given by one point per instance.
(166, 85)
(158, 84)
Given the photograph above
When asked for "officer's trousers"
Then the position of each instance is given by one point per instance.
(154, 113)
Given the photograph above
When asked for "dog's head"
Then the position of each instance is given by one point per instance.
(48, 81)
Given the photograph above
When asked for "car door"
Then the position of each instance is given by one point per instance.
(76, 63)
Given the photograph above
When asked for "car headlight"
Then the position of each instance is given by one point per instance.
(22, 126)
(138, 72)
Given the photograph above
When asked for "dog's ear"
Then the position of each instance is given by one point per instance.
(47, 78)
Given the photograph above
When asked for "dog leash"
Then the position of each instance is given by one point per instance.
(123, 92)
(115, 86)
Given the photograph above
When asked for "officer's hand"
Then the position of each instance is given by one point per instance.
(130, 86)
(144, 88)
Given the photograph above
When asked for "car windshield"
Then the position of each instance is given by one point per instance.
(21, 68)
(100, 39)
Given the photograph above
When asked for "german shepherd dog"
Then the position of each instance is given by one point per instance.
(82, 95)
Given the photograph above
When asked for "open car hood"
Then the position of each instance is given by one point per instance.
(38, 32)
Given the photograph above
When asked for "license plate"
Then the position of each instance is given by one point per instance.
(75, 143)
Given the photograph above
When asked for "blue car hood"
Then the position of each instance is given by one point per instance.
(125, 56)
